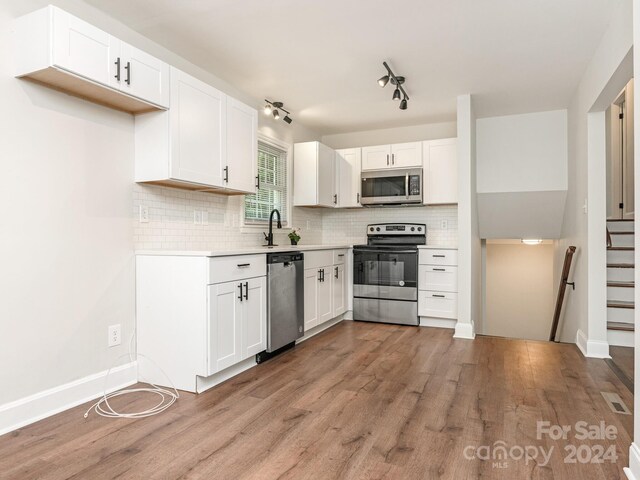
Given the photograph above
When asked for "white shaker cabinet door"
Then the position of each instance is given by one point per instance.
(224, 326)
(198, 131)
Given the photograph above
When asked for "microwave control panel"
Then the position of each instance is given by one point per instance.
(414, 185)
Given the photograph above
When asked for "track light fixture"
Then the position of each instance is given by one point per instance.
(397, 81)
(273, 108)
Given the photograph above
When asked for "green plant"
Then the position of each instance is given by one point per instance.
(294, 234)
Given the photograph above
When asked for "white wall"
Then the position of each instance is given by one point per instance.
(67, 270)
(519, 290)
(522, 153)
(594, 90)
(430, 131)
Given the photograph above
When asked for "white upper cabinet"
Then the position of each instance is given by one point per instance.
(197, 131)
(206, 141)
(348, 168)
(242, 147)
(399, 155)
(406, 155)
(314, 182)
(64, 52)
(440, 171)
(376, 158)
(143, 76)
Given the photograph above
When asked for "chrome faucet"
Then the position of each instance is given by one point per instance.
(269, 238)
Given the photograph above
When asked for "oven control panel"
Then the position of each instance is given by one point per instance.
(397, 229)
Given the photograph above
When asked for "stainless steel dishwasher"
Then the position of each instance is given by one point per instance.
(285, 302)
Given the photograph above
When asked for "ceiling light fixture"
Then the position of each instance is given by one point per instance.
(273, 108)
(397, 81)
(532, 241)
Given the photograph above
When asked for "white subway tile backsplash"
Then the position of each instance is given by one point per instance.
(171, 222)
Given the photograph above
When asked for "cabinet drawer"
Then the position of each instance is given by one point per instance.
(318, 258)
(438, 257)
(438, 278)
(438, 304)
(340, 256)
(229, 269)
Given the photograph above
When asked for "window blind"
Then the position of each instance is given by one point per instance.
(272, 193)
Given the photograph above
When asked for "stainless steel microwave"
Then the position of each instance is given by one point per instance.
(391, 187)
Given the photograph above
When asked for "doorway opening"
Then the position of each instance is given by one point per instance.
(621, 232)
(519, 288)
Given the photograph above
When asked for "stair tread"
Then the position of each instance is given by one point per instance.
(621, 284)
(621, 249)
(620, 265)
(620, 220)
(627, 327)
(620, 304)
(622, 233)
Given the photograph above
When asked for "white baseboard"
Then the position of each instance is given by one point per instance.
(591, 348)
(41, 405)
(465, 330)
(321, 328)
(437, 322)
(205, 383)
(633, 471)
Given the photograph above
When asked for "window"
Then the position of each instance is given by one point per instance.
(272, 193)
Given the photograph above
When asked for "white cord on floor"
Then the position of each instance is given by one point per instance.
(167, 397)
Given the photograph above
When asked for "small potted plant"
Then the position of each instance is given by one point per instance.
(294, 236)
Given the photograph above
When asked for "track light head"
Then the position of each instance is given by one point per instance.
(396, 94)
(403, 104)
(383, 80)
(287, 119)
(276, 114)
(267, 109)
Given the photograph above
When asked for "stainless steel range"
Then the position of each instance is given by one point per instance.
(385, 273)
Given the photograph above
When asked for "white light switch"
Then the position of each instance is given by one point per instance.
(444, 224)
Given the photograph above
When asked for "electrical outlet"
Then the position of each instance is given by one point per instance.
(197, 217)
(115, 335)
(444, 224)
(308, 224)
(144, 214)
(205, 217)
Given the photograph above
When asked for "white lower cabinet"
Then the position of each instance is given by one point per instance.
(325, 286)
(437, 285)
(237, 322)
(198, 316)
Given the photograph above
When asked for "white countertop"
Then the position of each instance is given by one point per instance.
(239, 251)
(437, 247)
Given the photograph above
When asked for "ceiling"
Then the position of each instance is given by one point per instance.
(322, 58)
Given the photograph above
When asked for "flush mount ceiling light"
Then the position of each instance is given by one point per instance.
(273, 108)
(397, 81)
(532, 241)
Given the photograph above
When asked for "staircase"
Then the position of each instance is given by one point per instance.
(620, 283)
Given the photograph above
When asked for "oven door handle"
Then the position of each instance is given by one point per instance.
(385, 251)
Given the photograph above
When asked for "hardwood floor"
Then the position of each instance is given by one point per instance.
(359, 401)
(623, 358)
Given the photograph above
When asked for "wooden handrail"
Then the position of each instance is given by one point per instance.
(564, 281)
(609, 241)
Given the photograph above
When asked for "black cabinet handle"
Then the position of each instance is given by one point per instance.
(128, 69)
(335, 198)
(387, 159)
(117, 64)
(439, 270)
(258, 181)
(240, 287)
(438, 256)
(341, 254)
(357, 198)
(393, 159)
(319, 274)
(242, 265)
(226, 174)
(336, 269)
(437, 296)
(246, 290)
